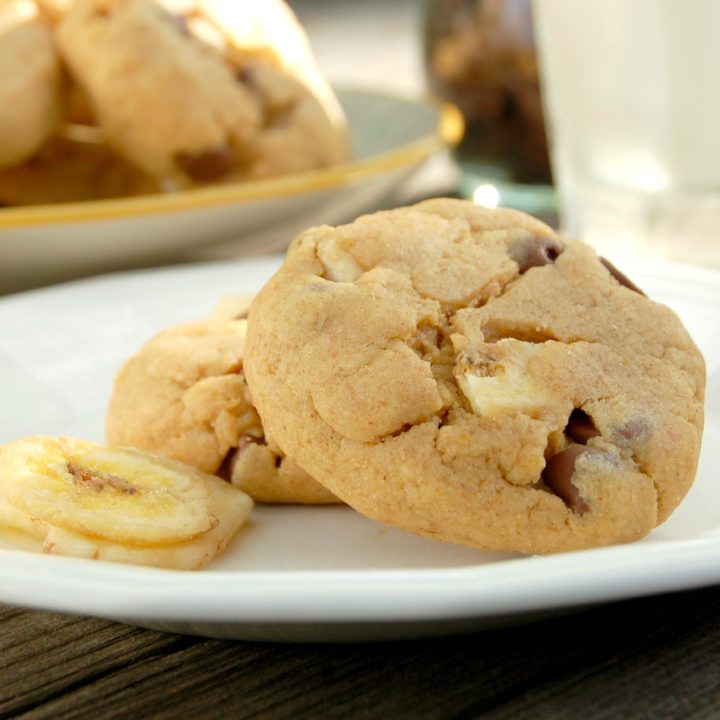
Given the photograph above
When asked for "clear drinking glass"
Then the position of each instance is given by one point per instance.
(480, 55)
(632, 99)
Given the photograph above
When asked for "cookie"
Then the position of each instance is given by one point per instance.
(296, 134)
(468, 375)
(31, 93)
(180, 108)
(184, 396)
(160, 97)
(304, 126)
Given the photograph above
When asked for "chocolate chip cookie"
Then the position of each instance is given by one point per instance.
(184, 396)
(181, 108)
(469, 375)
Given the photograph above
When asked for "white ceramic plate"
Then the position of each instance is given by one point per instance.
(314, 573)
(391, 138)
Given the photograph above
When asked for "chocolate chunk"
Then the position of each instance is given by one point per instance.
(534, 251)
(246, 74)
(622, 279)
(580, 427)
(207, 165)
(558, 474)
(225, 471)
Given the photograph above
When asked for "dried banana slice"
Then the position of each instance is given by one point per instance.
(118, 504)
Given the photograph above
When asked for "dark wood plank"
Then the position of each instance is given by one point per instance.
(662, 660)
(43, 655)
(657, 657)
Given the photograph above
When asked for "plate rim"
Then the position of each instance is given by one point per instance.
(448, 132)
(513, 587)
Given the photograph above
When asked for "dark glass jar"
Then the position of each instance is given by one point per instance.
(480, 55)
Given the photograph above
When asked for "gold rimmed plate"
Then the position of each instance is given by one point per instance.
(391, 138)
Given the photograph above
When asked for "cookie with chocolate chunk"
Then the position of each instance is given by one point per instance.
(181, 108)
(469, 375)
(184, 396)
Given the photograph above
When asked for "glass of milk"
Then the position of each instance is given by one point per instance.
(632, 99)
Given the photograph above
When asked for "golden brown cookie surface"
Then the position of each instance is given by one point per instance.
(469, 376)
(184, 396)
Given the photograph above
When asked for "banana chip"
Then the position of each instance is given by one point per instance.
(87, 500)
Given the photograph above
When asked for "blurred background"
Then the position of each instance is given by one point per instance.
(598, 117)
(368, 43)
(373, 49)
(477, 54)
(381, 46)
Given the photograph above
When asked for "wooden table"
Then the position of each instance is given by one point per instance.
(653, 658)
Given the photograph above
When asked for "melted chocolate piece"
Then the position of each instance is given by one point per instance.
(624, 280)
(246, 74)
(207, 165)
(225, 471)
(558, 474)
(535, 251)
(580, 427)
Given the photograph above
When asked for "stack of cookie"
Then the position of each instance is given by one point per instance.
(107, 98)
(461, 373)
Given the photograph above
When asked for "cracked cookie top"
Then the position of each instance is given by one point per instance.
(468, 375)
